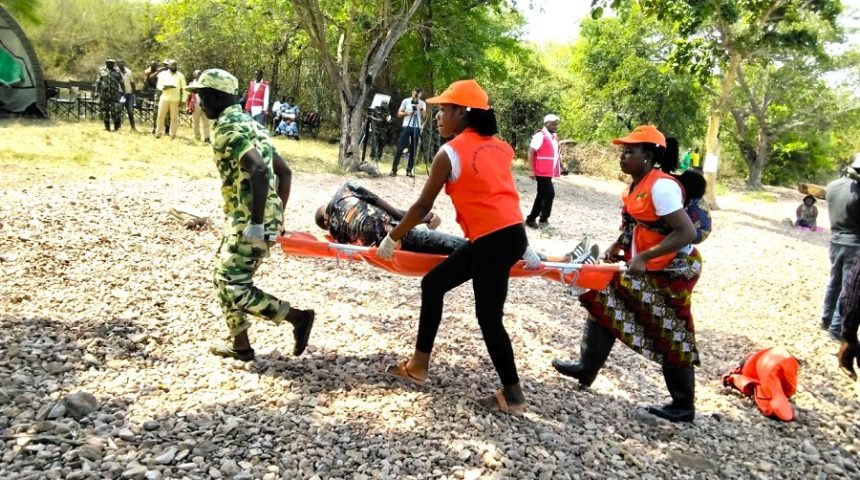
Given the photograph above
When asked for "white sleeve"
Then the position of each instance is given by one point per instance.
(666, 196)
(537, 141)
(455, 162)
(266, 99)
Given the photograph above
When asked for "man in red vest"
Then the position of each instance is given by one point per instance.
(257, 98)
(544, 165)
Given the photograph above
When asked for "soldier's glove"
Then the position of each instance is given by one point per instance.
(849, 353)
(532, 259)
(254, 232)
(386, 249)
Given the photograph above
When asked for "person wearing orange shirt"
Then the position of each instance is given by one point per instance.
(475, 169)
(648, 308)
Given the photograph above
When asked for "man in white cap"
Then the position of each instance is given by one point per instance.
(843, 207)
(544, 165)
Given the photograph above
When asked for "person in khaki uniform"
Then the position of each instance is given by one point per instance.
(255, 185)
(171, 84)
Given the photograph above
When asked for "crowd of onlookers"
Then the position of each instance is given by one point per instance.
(116, 89)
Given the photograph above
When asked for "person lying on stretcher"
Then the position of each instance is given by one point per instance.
(357, 216)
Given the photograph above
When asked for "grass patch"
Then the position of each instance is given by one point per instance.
(759, 196)
(65, 151)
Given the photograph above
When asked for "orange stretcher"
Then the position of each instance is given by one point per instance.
(303, 244)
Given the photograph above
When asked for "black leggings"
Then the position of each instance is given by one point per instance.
(487, 262)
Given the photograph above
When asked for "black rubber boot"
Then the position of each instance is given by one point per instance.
(594, 349)
(681, 382)
(107, 125)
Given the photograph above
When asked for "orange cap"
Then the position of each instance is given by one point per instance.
(643, 134)
(466, 93)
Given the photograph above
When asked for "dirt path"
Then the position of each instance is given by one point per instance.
(103, 293)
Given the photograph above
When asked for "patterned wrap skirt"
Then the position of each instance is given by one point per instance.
(650, 313)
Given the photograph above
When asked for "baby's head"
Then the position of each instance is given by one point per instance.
(694, 184)
(809, 200)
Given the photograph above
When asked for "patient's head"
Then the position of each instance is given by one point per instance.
(321, 218)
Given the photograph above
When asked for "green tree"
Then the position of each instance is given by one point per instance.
(618, 81)
(25, 10)
(716, 37)
(783, 107)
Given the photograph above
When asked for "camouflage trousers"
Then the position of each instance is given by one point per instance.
(235, 264)
(110, 111)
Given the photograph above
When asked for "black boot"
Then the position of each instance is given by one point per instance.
(681, 382)
(596, 344)
(107, 125)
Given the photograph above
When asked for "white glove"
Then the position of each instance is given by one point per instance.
(386, 249)
(254, 232)
(532, 260)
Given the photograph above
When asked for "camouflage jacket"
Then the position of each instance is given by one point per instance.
(234, 134)
(109, 84)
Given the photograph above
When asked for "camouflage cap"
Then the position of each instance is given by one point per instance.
(216, 79)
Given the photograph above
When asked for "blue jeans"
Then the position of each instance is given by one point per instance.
(408, 138)
(430, 241)
(128, 106)
(260, 118)
(841, 259)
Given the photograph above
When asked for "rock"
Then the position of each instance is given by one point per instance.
(833, 469)
(545, 475)
(166, 457)
(134, 472)
(137, 337)
(152, 475)
(126, 434)
(764, 466)
(473, 474)
(57, 411)
(151, 425)
(809, 448)
(80, 404)
(243, 476)
(692, 462)
(90, 453)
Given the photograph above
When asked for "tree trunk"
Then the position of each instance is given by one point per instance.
(712, 146)
(756, 166)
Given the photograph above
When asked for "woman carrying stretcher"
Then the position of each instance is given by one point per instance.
(648, 309)
(475, 169)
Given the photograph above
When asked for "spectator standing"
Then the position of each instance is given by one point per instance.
(843, 207)
(128, 88)
(171, 84)
(412, 111)
(257, 98)
(544, 165)
(197, 116)
(108, 90)
(696, 160)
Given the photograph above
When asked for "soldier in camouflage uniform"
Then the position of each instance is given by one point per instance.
(109, 86)
(255, 184)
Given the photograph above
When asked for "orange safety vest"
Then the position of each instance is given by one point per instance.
(638, 203)
(770, 377)
(484, 195)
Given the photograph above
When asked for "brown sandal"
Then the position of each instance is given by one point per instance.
(399, 371)
(498, 403)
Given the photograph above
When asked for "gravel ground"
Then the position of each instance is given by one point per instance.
(107, 312)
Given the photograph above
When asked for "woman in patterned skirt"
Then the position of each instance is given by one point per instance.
(648, 308)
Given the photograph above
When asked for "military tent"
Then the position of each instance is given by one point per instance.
(22, 87)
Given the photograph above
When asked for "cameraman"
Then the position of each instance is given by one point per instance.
(412, 111)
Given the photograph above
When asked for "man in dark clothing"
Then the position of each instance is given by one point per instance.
(357, 216)
(843, 205)
(849, 306)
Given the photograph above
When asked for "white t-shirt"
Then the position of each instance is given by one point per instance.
(666, 196)
(406, 106)
(537, 141)
(455, 162)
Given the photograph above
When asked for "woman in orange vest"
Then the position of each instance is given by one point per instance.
(475, 169)
(648, 308)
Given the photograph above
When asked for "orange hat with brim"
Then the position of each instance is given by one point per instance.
(466, 93)
(643, 134)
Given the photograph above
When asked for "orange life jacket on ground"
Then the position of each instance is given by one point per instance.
(485, 194)
(638, 203)
(770, 376)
